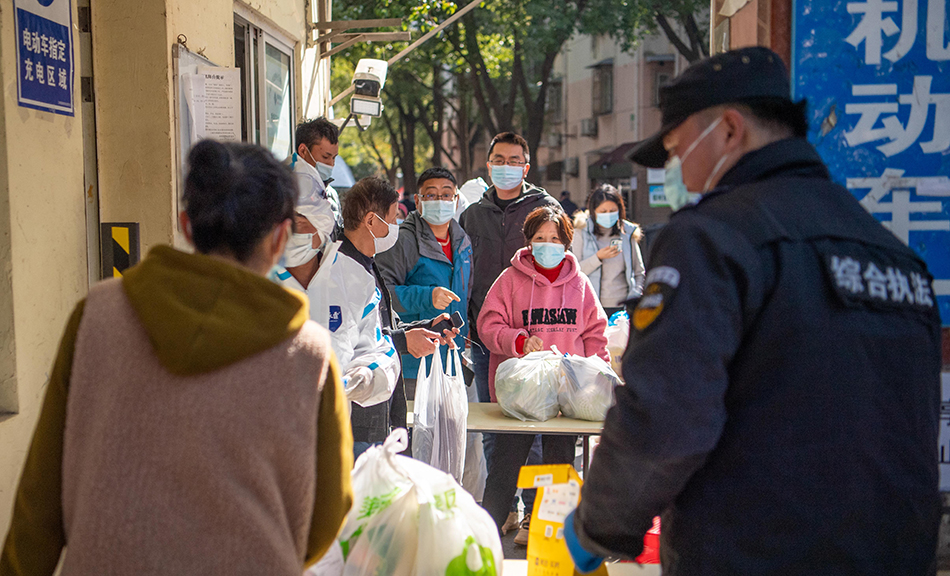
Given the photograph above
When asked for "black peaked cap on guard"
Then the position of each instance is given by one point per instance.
(734, 76)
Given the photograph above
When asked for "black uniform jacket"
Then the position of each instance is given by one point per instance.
(782, 388)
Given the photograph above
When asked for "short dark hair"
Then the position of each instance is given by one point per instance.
(433, 173)
(235, 194)
(370, 194)
(781, 114)
(606, 193)
(510, 138)
(776, 115)
(312, 131)
(565, 193)
(538, 216)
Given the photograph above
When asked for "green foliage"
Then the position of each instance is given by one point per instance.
(493, 66)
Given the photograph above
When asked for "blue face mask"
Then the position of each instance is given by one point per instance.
(324, 170)
(507, 177)
(607, 219)
(547, 254)
(438, 212)
(673, 186)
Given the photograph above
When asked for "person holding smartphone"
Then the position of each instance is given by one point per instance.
(429, 269)
(607, 248)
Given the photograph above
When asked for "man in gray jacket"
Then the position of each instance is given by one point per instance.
(494, 225)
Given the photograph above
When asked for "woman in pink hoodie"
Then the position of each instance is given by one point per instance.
(542, 300)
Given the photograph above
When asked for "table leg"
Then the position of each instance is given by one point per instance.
(585, 438)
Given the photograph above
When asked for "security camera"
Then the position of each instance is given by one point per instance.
(368, 82)
(370, 77)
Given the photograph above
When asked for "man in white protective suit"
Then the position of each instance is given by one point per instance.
(317, 147)
(345, 297)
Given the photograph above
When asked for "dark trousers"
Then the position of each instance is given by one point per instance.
(509, 455)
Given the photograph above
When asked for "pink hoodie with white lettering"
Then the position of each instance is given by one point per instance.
(565, 313)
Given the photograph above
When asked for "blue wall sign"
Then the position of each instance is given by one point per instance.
(876, 74)
(45, 55)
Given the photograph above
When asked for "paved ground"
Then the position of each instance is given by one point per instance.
(512, 550)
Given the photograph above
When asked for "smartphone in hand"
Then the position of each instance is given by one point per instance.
(454, 322)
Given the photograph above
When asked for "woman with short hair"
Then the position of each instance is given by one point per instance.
(541, 300)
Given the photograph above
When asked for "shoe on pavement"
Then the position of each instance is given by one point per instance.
(521, 538)
(513, 521)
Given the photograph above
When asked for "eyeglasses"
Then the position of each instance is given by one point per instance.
(509, 162)
(442, 197)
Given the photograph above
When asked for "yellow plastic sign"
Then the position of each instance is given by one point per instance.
(559, 492)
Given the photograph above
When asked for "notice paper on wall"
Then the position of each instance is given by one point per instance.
(213, 97)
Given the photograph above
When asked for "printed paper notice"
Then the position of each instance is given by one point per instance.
(558, 501)
(214, 103)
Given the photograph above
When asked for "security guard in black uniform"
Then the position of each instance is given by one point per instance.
(782, 378)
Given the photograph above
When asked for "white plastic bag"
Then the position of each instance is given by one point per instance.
(527, 387)
(617, 333)
(379, 536)
(457, 537)
(440, 416)
(409, 519)
(476, 469)
(389, 541)
(587, 387)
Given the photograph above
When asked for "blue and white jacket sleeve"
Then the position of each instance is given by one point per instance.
(376, 351)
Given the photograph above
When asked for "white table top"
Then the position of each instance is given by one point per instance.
(487, 417)
(520, 568)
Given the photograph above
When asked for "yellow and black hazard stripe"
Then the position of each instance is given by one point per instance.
(120, 247)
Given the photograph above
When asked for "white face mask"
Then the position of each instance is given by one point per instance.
(324, 170)
(507, 177)
(673, 186)
(387, 241)
(299, 250)
(438, 212)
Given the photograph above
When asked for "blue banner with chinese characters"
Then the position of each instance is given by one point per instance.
(45, 55)
(876, 74)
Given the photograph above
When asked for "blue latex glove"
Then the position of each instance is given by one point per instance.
(583, 560)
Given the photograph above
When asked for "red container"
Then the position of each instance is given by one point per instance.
(651, 545)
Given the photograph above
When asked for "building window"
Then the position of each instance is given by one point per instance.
(662, 79)
(603, 79)
(267, 87)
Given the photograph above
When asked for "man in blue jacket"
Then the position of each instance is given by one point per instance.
(429, 270)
